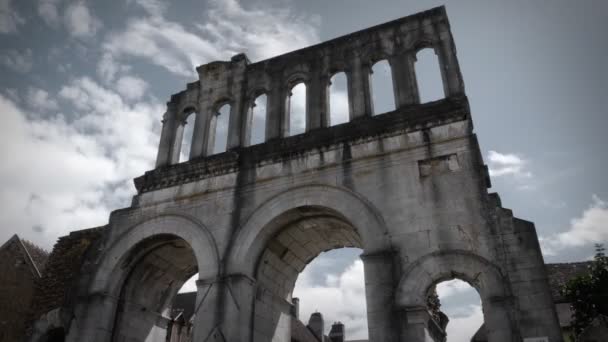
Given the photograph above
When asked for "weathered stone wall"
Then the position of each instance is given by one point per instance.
(409, 187)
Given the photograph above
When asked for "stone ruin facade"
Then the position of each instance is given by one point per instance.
(408, 187)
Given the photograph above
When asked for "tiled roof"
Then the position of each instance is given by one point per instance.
(39, 256)
(560, 274)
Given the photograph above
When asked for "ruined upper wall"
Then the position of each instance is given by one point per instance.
(239, 82)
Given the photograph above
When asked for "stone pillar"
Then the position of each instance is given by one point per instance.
(223, 309)
(448, 62)
(317, 100)
(247, 122)
(95, 319)
(405, 85)
(415, 327)
(234, 124)
(238, 108)
(380, 296)
(359, 90)
(275, 121)
(201, 133)
(167, 136)
(496, 319)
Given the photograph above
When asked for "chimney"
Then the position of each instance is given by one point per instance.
(317, 325)
(296, 307)
(336, 334)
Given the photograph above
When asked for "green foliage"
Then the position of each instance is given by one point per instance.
(588, 293)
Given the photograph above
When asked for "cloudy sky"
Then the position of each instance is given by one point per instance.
(83, 86)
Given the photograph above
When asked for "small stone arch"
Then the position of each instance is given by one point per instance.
(179, 225)
(259, 228)
(186, 109)
(480, 273)
(484, 276)
(220, 102)
(296, 78)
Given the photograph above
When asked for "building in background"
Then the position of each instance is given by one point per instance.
(21, 265)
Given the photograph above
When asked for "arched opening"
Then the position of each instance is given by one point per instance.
(428, 76)
(382, 90)
(218, 137)
(258, 120)
(338, 99)
(296, 107)
(456, 309)
(333, 285)
(306, 233)
(187, 135)
(157, 269)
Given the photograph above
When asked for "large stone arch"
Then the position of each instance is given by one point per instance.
(484, 276)
(107, 277)
(261, 226)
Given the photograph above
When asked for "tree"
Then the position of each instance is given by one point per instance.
(588, 293)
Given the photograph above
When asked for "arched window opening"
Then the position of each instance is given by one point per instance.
(297, 109)
(428, 75)
(258, 120)
(338, 100)
(332, 289)
(220, 129)
(456, 308)
(187, 135)
(383, 96)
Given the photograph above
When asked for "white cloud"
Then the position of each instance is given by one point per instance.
(80, 22)
(130, 87)
(341, 299)
(462, 327)
(507, 165)
(229, 29)
(9, 18)
(17, 61)
(39, 99)
(89, 161)
(152, 7)
(48, 11)
(452, 287)
(591, 227)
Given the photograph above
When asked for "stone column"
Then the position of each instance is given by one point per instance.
(234, 124)
(94, 319)
(247, 122)
(405, 85)
(176, 144)
(380, 296)
(167, 136)
(223, 309)
(359, 90)
(201, 132)
(415, 325)
(317, 100)
(497, 320)
(277, 98)
(450, 70)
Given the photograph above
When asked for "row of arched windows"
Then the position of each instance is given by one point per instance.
(430, 88)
